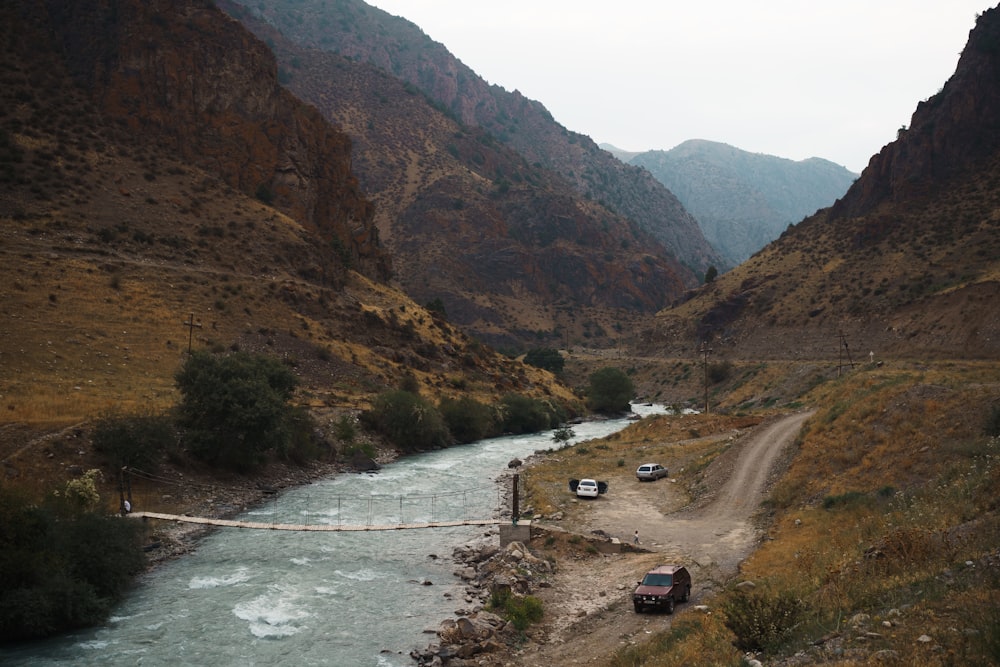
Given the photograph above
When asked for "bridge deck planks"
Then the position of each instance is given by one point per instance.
(260, 525)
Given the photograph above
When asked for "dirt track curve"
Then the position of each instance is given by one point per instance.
(588, 608)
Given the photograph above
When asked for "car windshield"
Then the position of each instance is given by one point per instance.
(658, 580)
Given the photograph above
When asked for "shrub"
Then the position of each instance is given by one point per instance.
(468, 420)
(993, 422)
(344, 429)
(136, 440)
(520, 611)
(545, 358)
(720, 371)
(762, 620)
(563, 435)
(61, 568)
(407, 420)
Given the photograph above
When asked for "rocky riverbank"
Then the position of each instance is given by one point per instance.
(479, 637)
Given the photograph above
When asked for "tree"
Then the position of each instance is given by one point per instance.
(711, 274)
(546, 358)
(523, 414)
(408, 420)
(236, 408)
(610, 390)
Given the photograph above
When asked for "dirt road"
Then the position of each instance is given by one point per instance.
(588, 607)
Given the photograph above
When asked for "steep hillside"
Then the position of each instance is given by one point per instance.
(127, 241)
(192, 82)
(513, 253)
(362, 33)
(743, 200)
(907, 262)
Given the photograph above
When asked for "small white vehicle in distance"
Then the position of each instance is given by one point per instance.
(650, 472)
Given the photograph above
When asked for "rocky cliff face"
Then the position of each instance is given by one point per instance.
(187, 77)
(363, 33)
(948, 134)
(515, 254)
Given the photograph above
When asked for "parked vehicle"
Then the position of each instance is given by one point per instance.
(587, 488)
(574, 487)
(661, 588)
(650, 472)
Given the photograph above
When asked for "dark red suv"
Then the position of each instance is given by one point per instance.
(661, 588)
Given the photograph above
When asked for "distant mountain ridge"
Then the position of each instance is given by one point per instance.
(363, 33)
(744, 200)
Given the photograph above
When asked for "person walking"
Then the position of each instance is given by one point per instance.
(635, 538)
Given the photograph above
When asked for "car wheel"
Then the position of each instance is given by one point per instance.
(638, 608)
(670, 606)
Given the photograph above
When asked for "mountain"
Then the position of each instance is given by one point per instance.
(907, 262)
(743, 200)
(163, 192)
(620, 153)
(366, 34)
(514, 253)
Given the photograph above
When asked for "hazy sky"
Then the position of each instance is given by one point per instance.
(784, 77)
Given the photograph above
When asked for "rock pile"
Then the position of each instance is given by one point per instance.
(478, 636)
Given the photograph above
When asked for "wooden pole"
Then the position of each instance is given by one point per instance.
(190, 324)
(515, 501)
(705, 351)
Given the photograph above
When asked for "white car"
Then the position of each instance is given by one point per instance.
(587, 488)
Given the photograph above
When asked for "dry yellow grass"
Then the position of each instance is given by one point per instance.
(885, 525)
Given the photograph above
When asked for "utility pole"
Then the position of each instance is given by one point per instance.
(705, 351)
(840, 354)
(190, 324)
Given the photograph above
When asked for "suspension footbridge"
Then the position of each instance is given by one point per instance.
(264, 525)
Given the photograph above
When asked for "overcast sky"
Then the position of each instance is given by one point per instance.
(784, 77)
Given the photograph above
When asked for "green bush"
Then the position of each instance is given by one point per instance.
(61, 568)
(235, 408)
(407, 420)
(302, 443)
(520, 611)
(523, 414)
(762, 620)
(610, 390)
(468, 420)
(546, 358)
(720, 371)
(993, 422)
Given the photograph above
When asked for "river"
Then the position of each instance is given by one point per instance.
(355, 598)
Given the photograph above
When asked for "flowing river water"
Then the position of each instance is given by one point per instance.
(353, 598)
